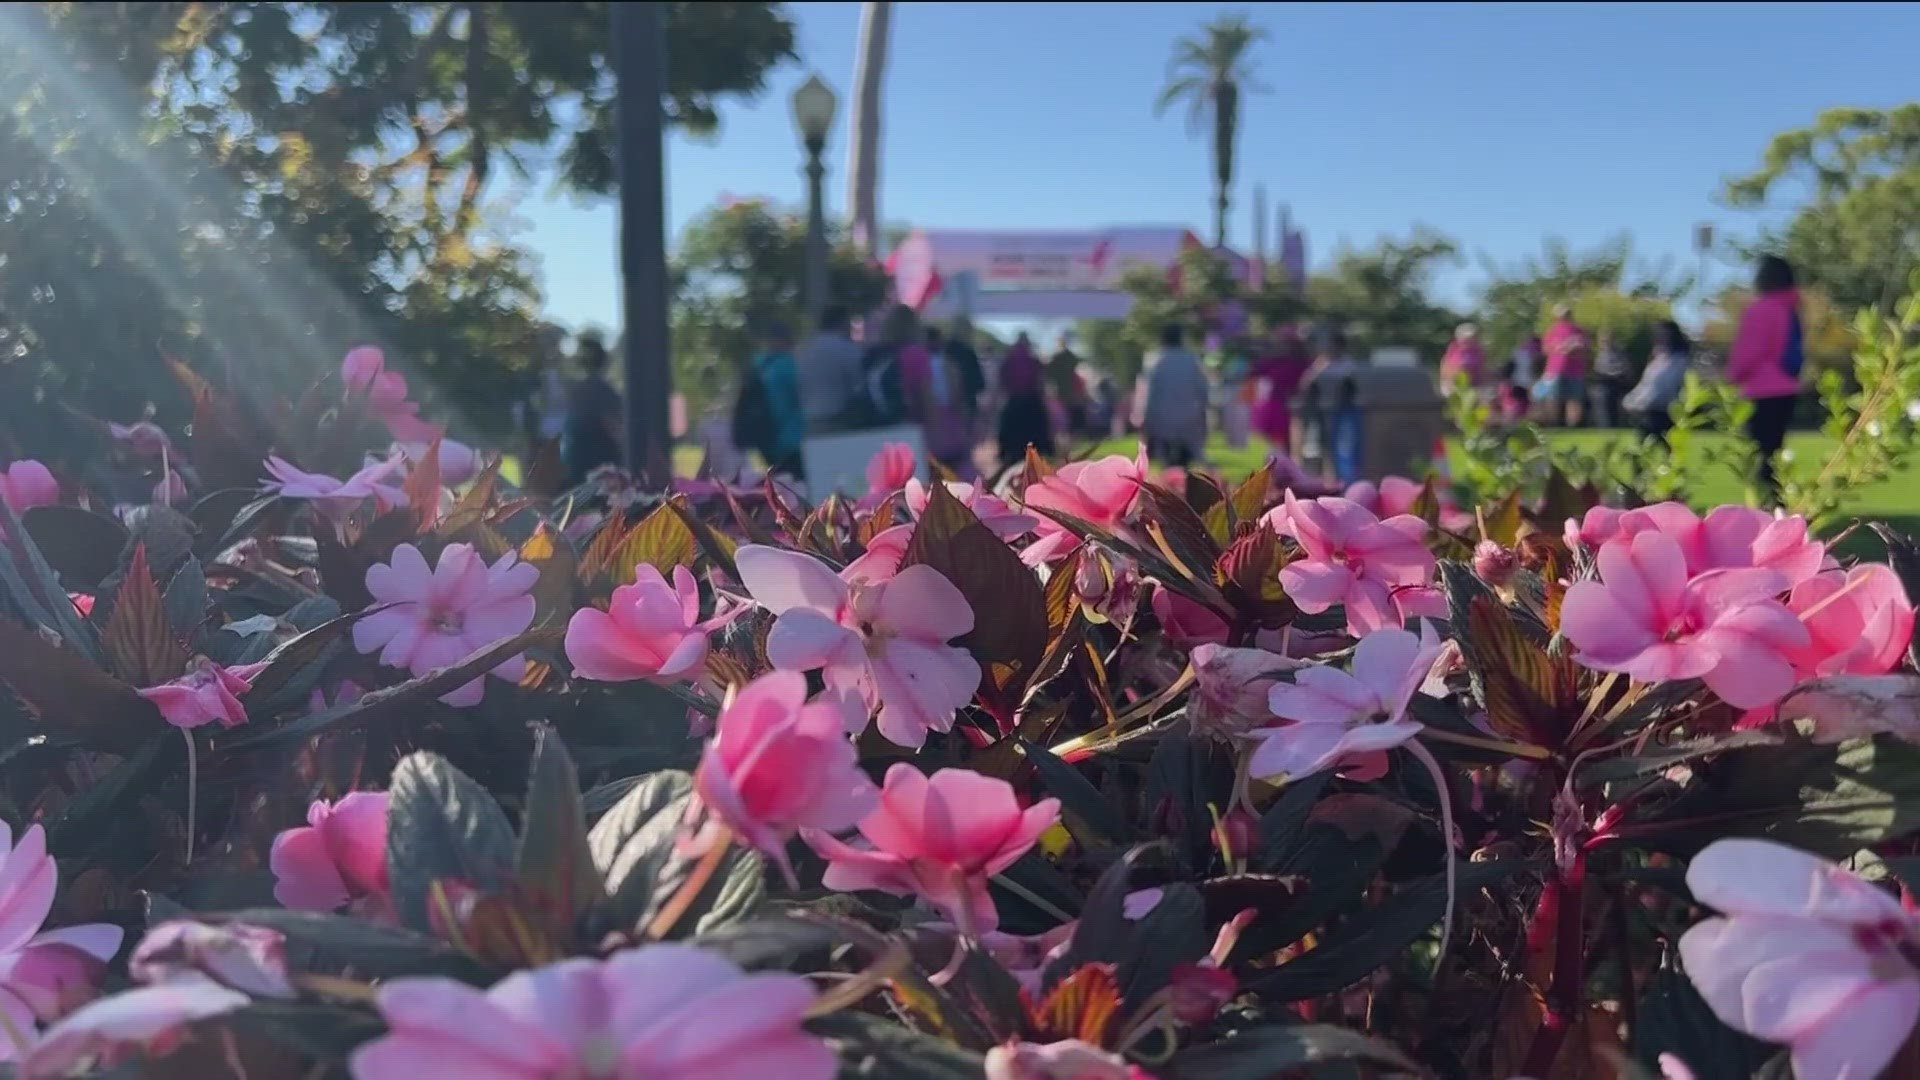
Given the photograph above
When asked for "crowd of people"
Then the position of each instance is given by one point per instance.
(906, 371)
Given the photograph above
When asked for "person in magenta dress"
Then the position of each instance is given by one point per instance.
(1279, 373)
(934, 393)
(1568, 348)
(1465, 357)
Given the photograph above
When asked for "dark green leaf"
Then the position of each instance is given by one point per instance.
(634, 849)
(872, 1048)
(1371, 939)
(1672, 1018)
(553, 860)
(1104, 933)
(441, 825)
(1087, 814)
(1830, 800)
(1279, 1050)
(1173, 933)
(81, 823)
(396, 702)
(70, 697)
(33, 590)
(84, 547)
(1281, 825)
(186, 597)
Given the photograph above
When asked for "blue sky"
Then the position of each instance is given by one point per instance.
(1499, 124)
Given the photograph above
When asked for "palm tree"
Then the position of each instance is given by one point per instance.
(1208, 73)
(863, 150)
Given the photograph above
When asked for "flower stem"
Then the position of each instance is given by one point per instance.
(690, 889)
(193, 789)
(1563, 904)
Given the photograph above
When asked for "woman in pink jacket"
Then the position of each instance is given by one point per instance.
(1766, 358)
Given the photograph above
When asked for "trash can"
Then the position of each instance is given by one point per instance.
(1370, 421)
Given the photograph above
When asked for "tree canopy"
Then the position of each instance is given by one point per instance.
(257, 186)
(1856, 234)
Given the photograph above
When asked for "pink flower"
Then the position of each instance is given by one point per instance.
(1804, 953)
(1339, 716)
(361, 367)
(1494, 563)
(208, 692)
(127, 1025)
(1392, 496)
(1377, 569)
(993, 512)
(649, 631)
(42, 974)
(1188, 622)
(337, 498)
(1097, 492)
(1859, 622)
(939, 838)
(1107, 585)
(27, 484)
(890, 470)
(365, 374)
(779, 763)
(1230, 689)
(439, 617)
(170, 489)
(1644, 618)
(143, 437)
(459, 462)
(662, 1010)
(339, 858)
(888, 639)
(251, 959)
(1728, 538)
(1068, 1059)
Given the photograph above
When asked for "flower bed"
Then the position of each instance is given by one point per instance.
(1071, 776)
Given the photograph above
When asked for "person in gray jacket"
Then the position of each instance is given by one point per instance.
(1663, 380)
(1175, 420)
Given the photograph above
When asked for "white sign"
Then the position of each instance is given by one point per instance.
(838, 462)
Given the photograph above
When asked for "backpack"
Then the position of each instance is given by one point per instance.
(752, 412)
(885, 398)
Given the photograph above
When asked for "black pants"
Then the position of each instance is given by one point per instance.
(1767, 427)
(1655, 423)
(1174, 453)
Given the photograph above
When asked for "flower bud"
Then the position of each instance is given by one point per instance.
(1494, 563)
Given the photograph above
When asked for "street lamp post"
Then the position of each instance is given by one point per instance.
(640, 62)
(813, 109)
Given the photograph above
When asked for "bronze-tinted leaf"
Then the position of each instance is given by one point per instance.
(1010, 630)
(1187, 540)
(597, 560)
(1245, 504)
(139, 640)
(716, 545)
(83, 546)
(1503, 519)
(1531, 696)
(1037, 468)
(423, 489)
(70, 696)
(1203, 493)
(662, 541)
(553, 593)
(475, 503)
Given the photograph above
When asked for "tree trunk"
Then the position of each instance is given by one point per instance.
(863, 153)
(1226, 123)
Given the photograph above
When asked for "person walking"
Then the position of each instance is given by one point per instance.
(829, 372)
(1278, 374)
(1768, 352)
(776, 425)
(966, 363)
(1465, 358)
(1063, 374)
(932, 391)
(1612, 378)
(590, 435)
(1175, 415)
(1568, 350)
(1652, 398)
(1523, 370)
(1023, 417)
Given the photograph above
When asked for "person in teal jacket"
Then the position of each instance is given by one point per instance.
(780, 377)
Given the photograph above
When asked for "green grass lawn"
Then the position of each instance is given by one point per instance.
(1896, 499)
